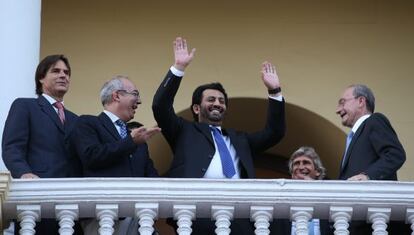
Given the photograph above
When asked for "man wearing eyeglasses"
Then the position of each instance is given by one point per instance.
(104, 144)
(108, 149)
(372, 150)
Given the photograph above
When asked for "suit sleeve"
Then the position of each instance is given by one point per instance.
(390, 152)
(15, 141)
(274, 129)
(162, 107)
(150, 170)
(94, 153)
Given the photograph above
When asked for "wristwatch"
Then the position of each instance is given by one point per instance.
(274, 91)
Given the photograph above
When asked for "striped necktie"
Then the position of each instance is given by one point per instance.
(123, 132)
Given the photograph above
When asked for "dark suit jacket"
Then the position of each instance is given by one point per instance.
(284, 227)
(104, 153)
(374, 150)
(35, 141)
(192, 143)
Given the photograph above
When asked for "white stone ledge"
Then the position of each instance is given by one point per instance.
(281, 194)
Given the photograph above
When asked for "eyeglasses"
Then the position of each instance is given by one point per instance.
(342, 101)
(134, 93)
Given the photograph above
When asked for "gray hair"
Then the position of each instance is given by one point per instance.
(110, 86)
(310, 153)
(364, 91)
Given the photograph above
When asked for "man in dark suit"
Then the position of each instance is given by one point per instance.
(373, 151)
(35, 137)
(304, 164)
(108, 149)
(105, 146)
(203, 149)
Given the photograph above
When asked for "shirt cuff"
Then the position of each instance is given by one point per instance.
(177, 72)
(278, 98)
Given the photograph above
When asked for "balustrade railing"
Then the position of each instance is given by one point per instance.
(148, 199)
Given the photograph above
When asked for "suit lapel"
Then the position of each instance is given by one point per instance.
(351, 145)
(47, 108)
(108, 125)
(233, 138)
(205, 130)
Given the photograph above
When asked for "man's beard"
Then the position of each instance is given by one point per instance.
(213, 116)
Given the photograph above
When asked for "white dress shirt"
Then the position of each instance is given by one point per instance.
(215, 169)
(113, 118)
(52, 101)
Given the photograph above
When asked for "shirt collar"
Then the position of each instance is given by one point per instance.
(111, 116)
(218, 127)
(50, 99)
(359, 122)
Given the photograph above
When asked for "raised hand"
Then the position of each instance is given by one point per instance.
(181, 54)
(269, 76)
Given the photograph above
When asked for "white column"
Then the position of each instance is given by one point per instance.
(184, 214)
(341, 217)
(410, 219)
(261, 215)
(19, 53)
(379, 218)
(146, 212)
(28, 215)
(223, 216)
(106, 214)
(66, 214)
(301, 215)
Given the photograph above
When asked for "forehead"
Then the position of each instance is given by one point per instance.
(59, 64)
(128, 84)
(302, 158)
(212, 93)
(348, 92)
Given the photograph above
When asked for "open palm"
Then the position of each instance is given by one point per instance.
(269, 76)
(181, 54)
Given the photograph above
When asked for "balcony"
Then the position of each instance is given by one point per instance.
(149, 199)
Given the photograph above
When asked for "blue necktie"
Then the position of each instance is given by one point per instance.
(348, 142)
(123, 133)
(226, 161)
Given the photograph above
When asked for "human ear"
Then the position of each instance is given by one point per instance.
(196, 108)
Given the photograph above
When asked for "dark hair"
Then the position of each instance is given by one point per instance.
(132, 125)
(198, 95)
(44, 66)
(364, 91)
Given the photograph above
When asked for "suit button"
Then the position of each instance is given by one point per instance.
(210, 156)
(204, 170)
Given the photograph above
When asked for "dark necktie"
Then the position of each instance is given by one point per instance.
(348, 142)
(61, 111)
(123, 133)
(226, 161)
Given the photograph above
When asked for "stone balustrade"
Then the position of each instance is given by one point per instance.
(261, 200)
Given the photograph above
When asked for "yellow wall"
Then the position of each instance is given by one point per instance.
(319, 47)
